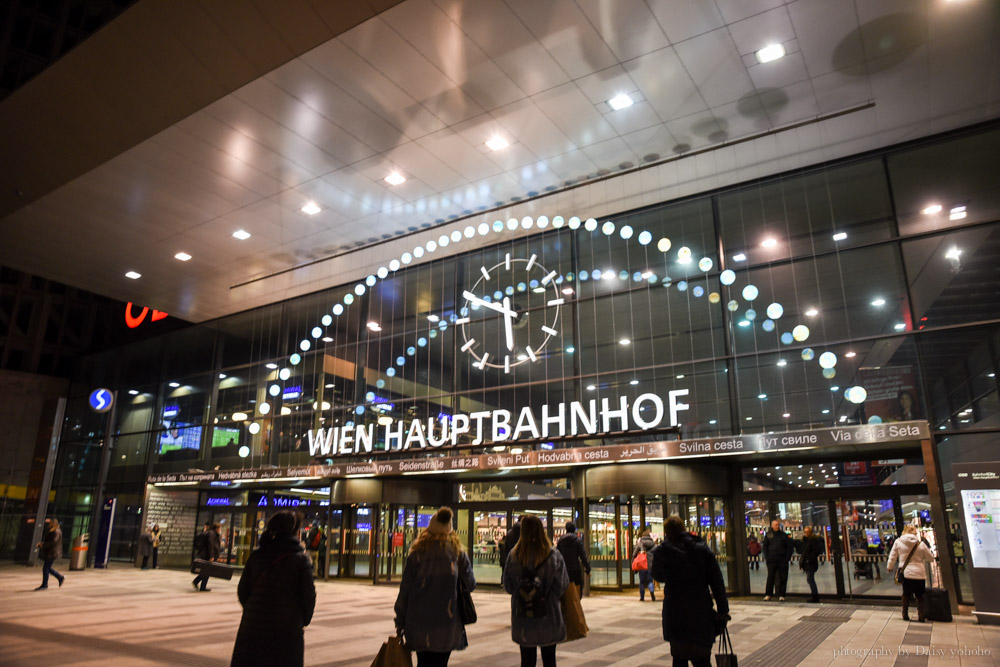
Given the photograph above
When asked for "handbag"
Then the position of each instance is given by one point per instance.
(639, 563)
(393, 654)
(572, 610)
(899, 573)
(466, 608)
(726, 657)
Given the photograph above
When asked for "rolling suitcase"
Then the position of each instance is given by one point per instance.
(937, 605)
(212, 569)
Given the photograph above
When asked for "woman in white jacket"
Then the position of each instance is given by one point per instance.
(914, 572)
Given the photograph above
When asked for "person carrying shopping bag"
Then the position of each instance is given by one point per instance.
(427, 606)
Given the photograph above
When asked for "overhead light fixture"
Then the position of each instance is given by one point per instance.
(567, 290)
(620, 101)
(327, 339)
(712, 421)
(812, 312)
(769, 53)
(899, 326)
(133, 392)
(932, 209)
(762, 396)
(744, 323)
(183, 256)
(786, 415)
(395, 178)
(570, 349)
(957, 213)
(133, 275)
(769, 242)
(591, 387)
(782, 362)
(840, 236)
(953, 253)
(879, 302)
(311, 208)
(624, 341)
(850, 355)
(241, 234)
(680, 377)
(739, 257)
(634, 382)
(497, 143)
(826, 412)
(433, 318)
(271, 366)
(835, 388)
(374, 326)
(175, 384)
(222, 376)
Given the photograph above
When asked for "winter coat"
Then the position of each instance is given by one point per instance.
(646, 544)
(278, 597)
(52, 545)
(812, 547)
(574, 554)
(509, 542)
(145, 544)
(778, 547)
(549, 629)
(691, 578)
(156, 538)
(754, 547)
(206, 545)
(427, 603)
(901, 550)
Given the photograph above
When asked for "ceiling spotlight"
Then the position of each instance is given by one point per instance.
(782, 362)
(591, 387)
(879, 302)
(840, 236)
(183, 256)
(497, 143)
(433, 318)
(786, 415)
(899, 326)
(311, 208)
(769, 243)
(175, 384)
(133, 275)
(222, 376)
(850, 355)
(769, 53)
(957, 213)
(133, 392)
(620, 101)
(812, 312)
(826, 412)
(712, 421)
(271, 366)
(953, 253)
(739, 257)
(327, 339)
(241, 234)
(762, 396)
(567, 290)
(932, 209)
(395, 178)
(624, 341)
(374, 326)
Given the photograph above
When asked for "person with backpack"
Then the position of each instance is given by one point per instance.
(426, 605)
(643, 547)
(691, 580)
(574, 554)
(913, 553)
(535, 576)
(206, 547)
(313, 540)
(278, 596)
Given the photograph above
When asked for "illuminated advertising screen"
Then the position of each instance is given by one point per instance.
(225, 437)
(177, 435)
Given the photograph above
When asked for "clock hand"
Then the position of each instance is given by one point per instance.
(508, 319)
(503, 310)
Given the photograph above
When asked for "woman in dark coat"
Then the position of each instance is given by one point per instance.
(278, 597)
(691, 578)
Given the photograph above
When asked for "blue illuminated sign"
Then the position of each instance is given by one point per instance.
(294, 391)
(101, 400)
(216, 502)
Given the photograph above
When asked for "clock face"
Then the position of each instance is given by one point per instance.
(511, 313)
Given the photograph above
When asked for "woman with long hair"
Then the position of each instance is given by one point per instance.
(535, 576)
(427, 605)
(278, 597)
(914, 571)
(691, 579)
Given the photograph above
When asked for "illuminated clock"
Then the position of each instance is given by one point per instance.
(522, 299)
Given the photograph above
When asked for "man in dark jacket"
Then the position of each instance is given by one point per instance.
(145, 547)
(51, 551)
(691, 580)
(812, 548)
(513, 535)
(206, 547)
(571, 547)
(778, 550)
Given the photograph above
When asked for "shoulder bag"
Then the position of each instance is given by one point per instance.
(899, 573)
(466, 608)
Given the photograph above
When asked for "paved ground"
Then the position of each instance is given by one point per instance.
(125, 616)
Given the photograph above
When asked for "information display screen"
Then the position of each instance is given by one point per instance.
(982, 517)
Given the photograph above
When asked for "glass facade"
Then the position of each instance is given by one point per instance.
(858, 292)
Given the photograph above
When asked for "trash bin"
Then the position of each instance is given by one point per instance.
(78, 557)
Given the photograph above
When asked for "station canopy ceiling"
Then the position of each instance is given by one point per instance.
(180, 123)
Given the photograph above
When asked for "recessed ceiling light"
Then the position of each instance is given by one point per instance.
(786, 415)
(840, 236)
(222, 376)
(879, 302)
(183, 256)
(850, 355)
(311, 208)
(932, 209)
(175, 384)
(374, 326)
(744, 323)
(712, 421)
(769, 53)
(620, 101)
(680, 377)
(769, 243)
(624, 341)
(591, 387)
(134, 392)
(826, 412)
(957, 213)
(812, 312)
(567, 290)
(953, 253)
(634, 382)
(782, 362)
(497, 143)
(395, 178)
(739, 257)
(762, 396)
(327, 339)
(835, 388)
(133, 275)
(271, 366)
(241, 234)
(433, 318)
(899, 326)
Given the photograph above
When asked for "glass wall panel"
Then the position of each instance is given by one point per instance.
(960, 371)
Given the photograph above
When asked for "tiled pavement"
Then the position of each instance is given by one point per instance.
(125, 616)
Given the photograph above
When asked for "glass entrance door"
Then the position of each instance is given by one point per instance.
(359, 545)
(868, 529)
(489, 529)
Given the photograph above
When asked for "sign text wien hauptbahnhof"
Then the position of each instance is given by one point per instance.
(650, 451)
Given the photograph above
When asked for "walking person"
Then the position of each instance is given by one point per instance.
(428, 593)
(146, 546)
(51, 551)
(754, 548)
(812, 547)
(278, 596)
(206, 547)
(644, 545)
(912, 552)
(156, 545)
(535, 576)
(574, 555)
(691, 580)
(777, 549)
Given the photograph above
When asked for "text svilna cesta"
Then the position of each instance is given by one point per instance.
(646, 412)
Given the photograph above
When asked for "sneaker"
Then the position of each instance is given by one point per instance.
(766, 598)
(781, 599)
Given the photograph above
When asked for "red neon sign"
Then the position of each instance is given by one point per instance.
(132, 321)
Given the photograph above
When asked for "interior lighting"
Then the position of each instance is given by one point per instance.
(899, 326)
(134, 392)
(239, 416)
(762, 396)
(850, 355)
(175, 384)
(953, 253)
(634, 382)
(244, 451)
(769, 53)
(932, 209)
(957, 213)
(566, 290)
(769, 243)
(591, 387)
(327, 339)
(374, 326)
(183, 256)
(744, 323)
(241, 234)
(620, 101)
(879, 302)
(133, 275)
(395, 178)
(826, 412)
(271, 366)
(624, 341)
(812, 312)
(835, 388)
(786, 415)
(680, 377)
(311, 208)
(222, 376)
(782, 362)
(497, 143)
(840, 236)
(433, 318)
(739, 257)
(712, 421)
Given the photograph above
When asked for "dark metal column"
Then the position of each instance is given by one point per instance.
(935, 492)
(102, 478)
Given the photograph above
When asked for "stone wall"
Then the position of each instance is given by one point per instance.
(176, 512)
